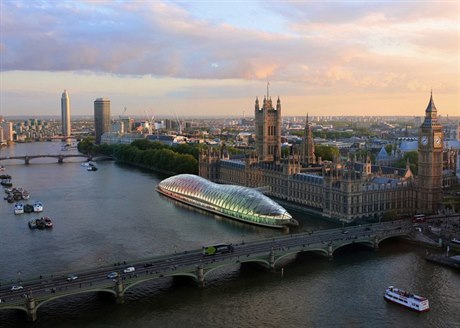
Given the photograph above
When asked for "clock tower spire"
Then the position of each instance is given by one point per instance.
(430, 149)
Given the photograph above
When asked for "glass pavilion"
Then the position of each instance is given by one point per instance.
(241, 203)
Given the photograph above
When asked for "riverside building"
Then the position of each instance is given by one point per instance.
(102, 122)
(345, 190)
(65, 114)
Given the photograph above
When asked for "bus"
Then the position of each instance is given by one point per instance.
(217, 249)
(418, 218)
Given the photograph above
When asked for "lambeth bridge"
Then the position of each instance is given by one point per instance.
(271, 253)
(59, 157)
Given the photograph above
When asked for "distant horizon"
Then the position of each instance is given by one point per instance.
(200, 58)
(115, 117)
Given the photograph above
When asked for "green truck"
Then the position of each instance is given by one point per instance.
(217, 249)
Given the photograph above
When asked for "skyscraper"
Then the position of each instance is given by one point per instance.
(65, 114)
(101, 117)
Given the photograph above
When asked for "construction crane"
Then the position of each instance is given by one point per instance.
(124, 111)
(179, 123)
(123, 129)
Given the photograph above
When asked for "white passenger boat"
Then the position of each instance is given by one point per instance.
(38, 206)
(18, 208)
(412, 301)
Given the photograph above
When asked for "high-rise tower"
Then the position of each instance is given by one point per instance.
(101, 117)
(268, 129)
(430, 149)
(65, 114)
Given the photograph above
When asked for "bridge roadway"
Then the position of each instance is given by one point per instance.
(269, 252)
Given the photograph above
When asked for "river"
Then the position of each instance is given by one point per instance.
(115, 215)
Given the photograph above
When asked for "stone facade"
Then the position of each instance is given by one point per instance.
(344, 190)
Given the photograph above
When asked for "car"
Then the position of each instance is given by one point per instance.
(148, 265)
(112, 275)
(345, 232)
(71, 277)
(16, 287)
(129, 269)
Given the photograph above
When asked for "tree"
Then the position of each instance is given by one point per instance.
(389, 148)
(86, 146)
(326, 152)
(413, 161)
(142, 144)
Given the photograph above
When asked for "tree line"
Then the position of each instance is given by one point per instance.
(178, 159)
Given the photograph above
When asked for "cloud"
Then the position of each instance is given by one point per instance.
(372, 46)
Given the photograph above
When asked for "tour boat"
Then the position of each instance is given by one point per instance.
(18, 208)
(38, 206)
(412, 301)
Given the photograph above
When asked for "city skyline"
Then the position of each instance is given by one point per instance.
(199, 58)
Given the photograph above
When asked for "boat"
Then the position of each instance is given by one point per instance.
(18, 208)
(411, 301)
(6, 183)
(38, 206)
(28, 208)
(236, 202)
(48, 222)
(33, 224)
(89, 163)
(455, 241)
(40, 223)
(91, 168)
(25, 195)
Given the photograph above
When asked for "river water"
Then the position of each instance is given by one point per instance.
(115, 215)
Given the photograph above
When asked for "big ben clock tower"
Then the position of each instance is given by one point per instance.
(430, 148)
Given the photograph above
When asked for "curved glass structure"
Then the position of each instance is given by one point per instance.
(237, 202)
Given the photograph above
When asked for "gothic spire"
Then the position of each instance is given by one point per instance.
(431, 108)
(431, 114)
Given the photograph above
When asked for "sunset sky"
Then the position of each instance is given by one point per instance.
(191, 58)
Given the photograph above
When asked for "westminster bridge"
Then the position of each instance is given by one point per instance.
(271, 253)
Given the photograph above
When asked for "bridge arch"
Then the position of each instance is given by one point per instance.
(105, 290)
(407, 234)
(154, 277)
(15, 307)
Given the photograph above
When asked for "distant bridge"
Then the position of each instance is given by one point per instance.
(270, 253)
(60, 157)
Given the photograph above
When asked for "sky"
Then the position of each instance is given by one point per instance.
(213, 58)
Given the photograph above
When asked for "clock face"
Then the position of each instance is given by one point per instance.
(424, 140)
(437, 140)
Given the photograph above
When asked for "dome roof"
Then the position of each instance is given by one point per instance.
(239, 202)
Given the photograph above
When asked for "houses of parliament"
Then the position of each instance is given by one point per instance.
(344, 190)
